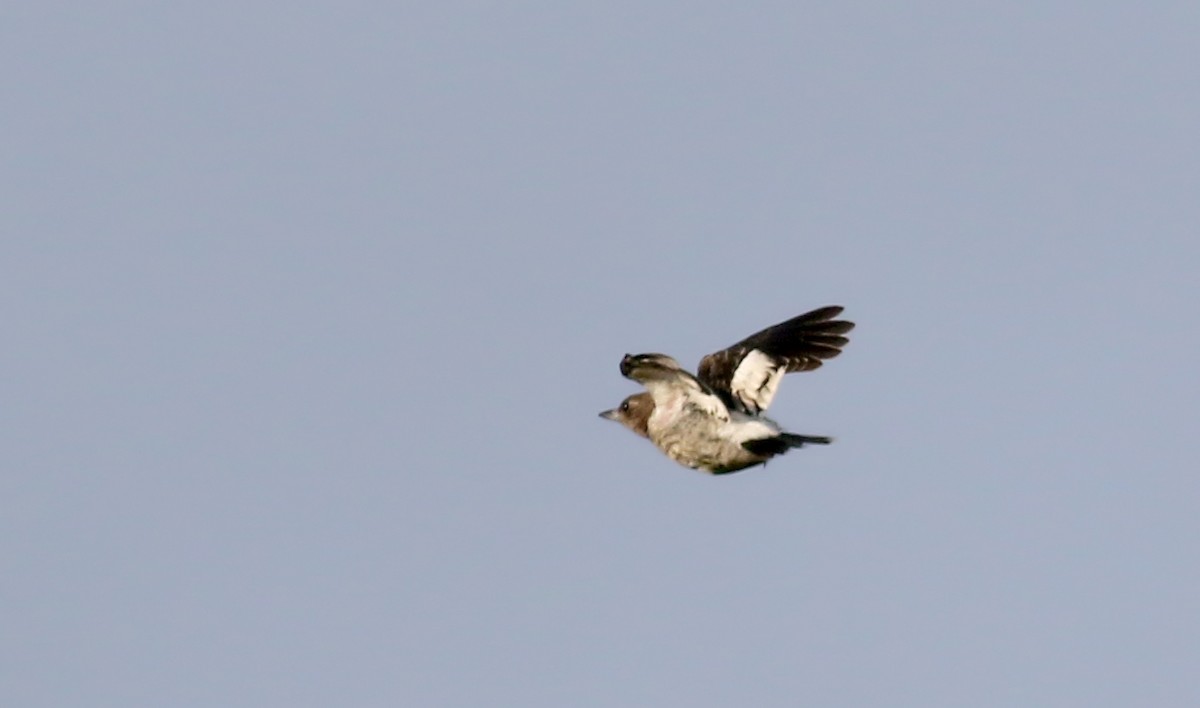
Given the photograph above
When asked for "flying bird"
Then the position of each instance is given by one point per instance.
(713, 421)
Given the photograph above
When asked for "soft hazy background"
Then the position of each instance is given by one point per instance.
(309, 308)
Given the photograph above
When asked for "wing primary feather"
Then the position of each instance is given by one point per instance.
(798, 344)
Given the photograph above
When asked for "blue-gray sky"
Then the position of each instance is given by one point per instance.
(309, 310)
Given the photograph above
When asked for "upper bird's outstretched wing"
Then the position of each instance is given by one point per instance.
(670, 385)
(747, 374)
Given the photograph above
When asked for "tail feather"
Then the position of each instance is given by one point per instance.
(769, 447)
(794, 440)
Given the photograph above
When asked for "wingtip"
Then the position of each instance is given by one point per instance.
(626, 364)
(827, 312)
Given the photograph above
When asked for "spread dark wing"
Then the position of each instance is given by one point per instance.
(747, 375)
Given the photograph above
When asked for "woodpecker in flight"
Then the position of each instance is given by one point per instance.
(713, 421)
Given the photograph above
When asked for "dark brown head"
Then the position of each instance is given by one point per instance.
(634, 413)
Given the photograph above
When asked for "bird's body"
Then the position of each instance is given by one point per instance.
(714, 421)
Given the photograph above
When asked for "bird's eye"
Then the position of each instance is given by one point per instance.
(624, 406)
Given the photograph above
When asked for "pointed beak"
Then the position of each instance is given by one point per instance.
(609, 415)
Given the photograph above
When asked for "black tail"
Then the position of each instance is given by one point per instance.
(769, 447)
(794, 440)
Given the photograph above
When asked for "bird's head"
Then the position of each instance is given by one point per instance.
(634, 413)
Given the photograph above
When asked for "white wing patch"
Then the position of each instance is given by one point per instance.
(756, 380)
